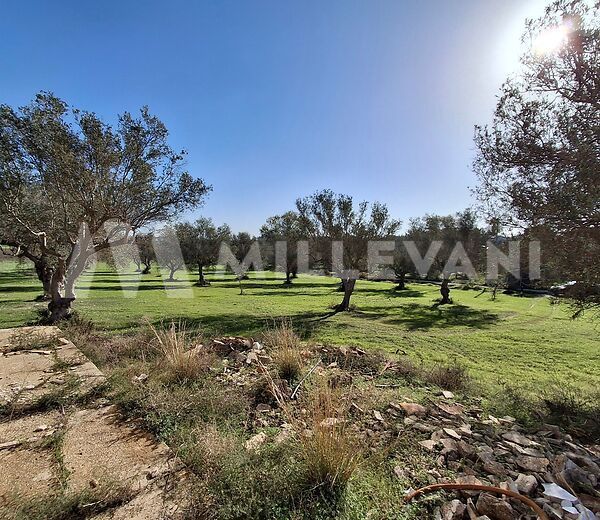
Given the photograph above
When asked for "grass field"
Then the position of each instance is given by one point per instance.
(523, 341)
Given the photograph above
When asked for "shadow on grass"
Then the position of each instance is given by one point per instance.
(246, 325)
(20, 288)
(415, 316)
(393, 293)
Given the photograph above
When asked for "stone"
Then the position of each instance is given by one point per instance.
(526, 484)
(494, 468)
(519, 439)
(454, 510)
(256, 441)
(9, 445)
(330, 422)
(428, 445)
(20, 468)
(452, 433)
(450, 446)
(378, 416)
(466, 450)
(399, 472)
(263, 408)
(495, 508)
(555, 492)
(98, 444)
(535, 464)
(447, 394)
(451, 409)
(413, 408)
(591, 502)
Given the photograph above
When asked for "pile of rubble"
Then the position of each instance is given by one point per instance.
(556, 471)
(560, 474)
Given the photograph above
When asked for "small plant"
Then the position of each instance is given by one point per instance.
(330, 454)
(449, 377)
(285, 346)
(181, 364)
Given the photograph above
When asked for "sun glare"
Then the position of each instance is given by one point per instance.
(551, 40)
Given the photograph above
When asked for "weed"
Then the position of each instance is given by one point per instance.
(449, 377)
(330, 454)
(284, 345)
(31, 341)
(181, 364)
(66, 506)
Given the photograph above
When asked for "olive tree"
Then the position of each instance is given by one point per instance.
(538, 160)
(341, 230)
(145, 251)
(284, 232)
(75, 185)
(200, 243)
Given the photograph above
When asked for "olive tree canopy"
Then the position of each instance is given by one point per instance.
(538, 160)
(74, 185)
(332, 220)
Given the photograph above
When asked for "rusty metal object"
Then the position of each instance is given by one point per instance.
(476, 487)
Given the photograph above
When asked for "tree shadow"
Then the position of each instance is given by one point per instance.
(391, 293)
(20, 288)
(305, 324)
(416, 316)
(271, 285)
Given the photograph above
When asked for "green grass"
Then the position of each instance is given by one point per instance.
(525, 341)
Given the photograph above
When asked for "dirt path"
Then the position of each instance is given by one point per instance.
(62, 444)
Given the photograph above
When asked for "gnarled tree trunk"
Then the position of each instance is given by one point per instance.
(445, 292)
(401, 281)
(59, 307)
(348, 287)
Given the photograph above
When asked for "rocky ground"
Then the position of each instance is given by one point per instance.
(561, 474)
(63, 445)
(84, 445)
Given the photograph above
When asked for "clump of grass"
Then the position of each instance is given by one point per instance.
(449, 377)
(180, 363)
(284, 345)
(67, 506)
(31, 341)
(329, 452)
(573, 409)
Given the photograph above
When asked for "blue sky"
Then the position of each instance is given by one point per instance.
(275, 99)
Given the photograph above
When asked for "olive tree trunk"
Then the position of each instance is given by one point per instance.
(401, 281)
(59, 307)
(201, 280)
(348, 287)
(445, 292)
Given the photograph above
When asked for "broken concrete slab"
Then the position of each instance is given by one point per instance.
(99, 445)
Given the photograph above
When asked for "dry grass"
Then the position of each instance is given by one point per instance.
(329, 452)
(31, 341)
(284, 345)
(180, 363)
(449, 377)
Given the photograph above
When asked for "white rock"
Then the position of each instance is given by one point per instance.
(256, 441)
(554, 491)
